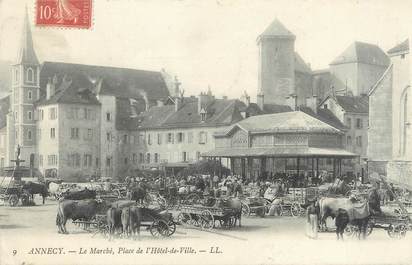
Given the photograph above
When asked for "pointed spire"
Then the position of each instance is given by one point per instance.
(27, 55)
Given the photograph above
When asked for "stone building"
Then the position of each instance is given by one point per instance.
(390, 112)
(72, 119)
(175, 135)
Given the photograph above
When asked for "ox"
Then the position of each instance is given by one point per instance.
(80, 195)
(36, 188)
(76, 210)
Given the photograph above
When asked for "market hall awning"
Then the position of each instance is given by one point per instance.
(280, 152)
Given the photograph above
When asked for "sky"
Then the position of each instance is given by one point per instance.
(208, 43)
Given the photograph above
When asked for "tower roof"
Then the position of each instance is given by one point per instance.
(27, 54)
(278, 30)
(360, 52)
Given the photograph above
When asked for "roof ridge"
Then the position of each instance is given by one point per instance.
(102, 66)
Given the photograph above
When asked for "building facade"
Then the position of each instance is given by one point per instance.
(390, 109)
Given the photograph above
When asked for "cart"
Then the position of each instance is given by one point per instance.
(255, 205)
(206, 217)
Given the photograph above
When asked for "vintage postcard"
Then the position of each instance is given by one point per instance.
(205, 132)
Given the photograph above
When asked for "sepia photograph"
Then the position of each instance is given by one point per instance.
(205, 132)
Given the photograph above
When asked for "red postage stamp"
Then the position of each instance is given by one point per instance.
(64, 13)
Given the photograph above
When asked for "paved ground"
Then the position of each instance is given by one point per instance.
(270, 240)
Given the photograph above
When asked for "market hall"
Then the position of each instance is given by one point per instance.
(291, 145)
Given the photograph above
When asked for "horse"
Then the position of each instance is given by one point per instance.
(359, 213)
(35, 188)
(138, 193)
(233, 204)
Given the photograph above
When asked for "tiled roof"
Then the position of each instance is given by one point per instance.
(70, 89)
(296, 121)
(362, 53)
(253, 109)
(277, 29)
(119, 82)
(354, 104)
(4, 109)
(401, 47)
(324, 115)
(220, 112)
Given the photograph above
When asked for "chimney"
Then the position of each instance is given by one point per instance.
(178, 103)
(312, 102)
(291, 101)
(177, 87)
(260, 100)
(50, 88)
(204, 99)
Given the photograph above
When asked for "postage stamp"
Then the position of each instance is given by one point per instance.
(64, 13)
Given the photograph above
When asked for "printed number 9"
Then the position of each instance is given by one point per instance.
(45, 12)
(14, 252)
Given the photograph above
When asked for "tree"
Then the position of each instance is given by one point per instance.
(205, 167)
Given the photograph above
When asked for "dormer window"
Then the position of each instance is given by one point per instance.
(203, 114)
(325, 106)
(29, 75)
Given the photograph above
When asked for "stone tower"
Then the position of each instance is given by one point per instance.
(21, 123)
(276, 70)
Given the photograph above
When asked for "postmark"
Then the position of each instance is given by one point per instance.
(64, 13)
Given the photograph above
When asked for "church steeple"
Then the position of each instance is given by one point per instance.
(27, 55)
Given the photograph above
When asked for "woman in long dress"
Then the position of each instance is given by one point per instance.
(66, 11)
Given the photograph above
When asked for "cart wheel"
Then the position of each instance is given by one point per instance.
(370, 226)
(171, 228)
(25, 200)
(295, 209)
(159, 228)
(192, 198)
(184, 218)
(206, 220)
(397, 231)
(13, 200)
(245, 209)
(162, 201)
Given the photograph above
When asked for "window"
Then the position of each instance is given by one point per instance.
(41, 160)
(73, 160)
(52, 160)
(16, 117)
(87, 160)
(359, 141)
(88, 114)
(148, 158)
(109, 136)
(89, 134)
(52, 133)
(52, 113)
(29, 115)
(29, 94)
(126, 160)
(29, 134)
(16, 75)
(97, 162)
(29, 75)
(108, 162)
(41, 114)
(149, 139)
(170, 138)
(125, 139)
(202, 137)
(159, 138)
(184, 156)
(349, 141)
(74, 133)
(202, 116)
(180, 137)
(190, 137)
(198, 155)
(325, 106)
(349, 122)
(141, 159)
(156, 158)
(359, 123)
(108, 116)
(134, 158)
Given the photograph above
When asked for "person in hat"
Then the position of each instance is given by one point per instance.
(312, 220)
(375, 199)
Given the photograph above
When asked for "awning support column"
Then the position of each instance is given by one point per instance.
(242, 161)
(232, 165)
